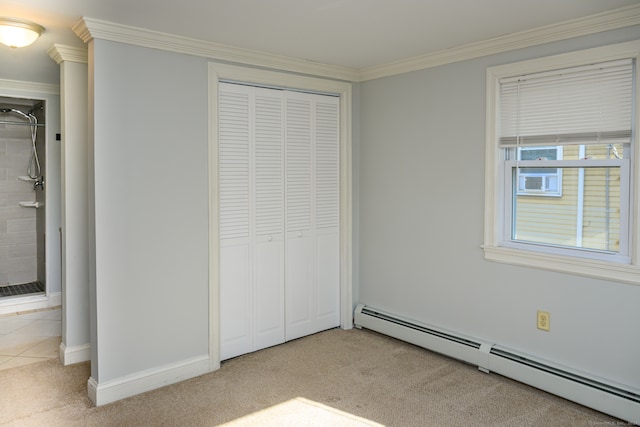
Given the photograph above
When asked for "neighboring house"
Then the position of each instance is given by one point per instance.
(581, 206)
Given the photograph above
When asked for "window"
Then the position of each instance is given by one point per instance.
(560, 160)
(540, 181)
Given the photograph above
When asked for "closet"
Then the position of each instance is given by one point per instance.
(279, 216)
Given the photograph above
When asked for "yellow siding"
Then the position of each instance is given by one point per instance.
(553, 220)
(601, 213)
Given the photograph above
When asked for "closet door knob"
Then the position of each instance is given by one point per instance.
(269, 238)
(299, 234)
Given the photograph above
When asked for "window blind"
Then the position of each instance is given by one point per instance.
(580, 105)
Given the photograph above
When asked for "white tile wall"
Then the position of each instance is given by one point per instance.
(18, 256)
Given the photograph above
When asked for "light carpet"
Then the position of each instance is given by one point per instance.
(333, 378)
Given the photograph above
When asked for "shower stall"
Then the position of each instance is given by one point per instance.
(24, 219)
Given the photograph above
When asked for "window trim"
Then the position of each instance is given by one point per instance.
(627, 269)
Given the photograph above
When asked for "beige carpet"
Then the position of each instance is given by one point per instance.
(334, 378)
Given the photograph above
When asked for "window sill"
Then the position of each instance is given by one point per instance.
(617, 272)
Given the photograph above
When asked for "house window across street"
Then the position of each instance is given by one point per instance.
(540, 181)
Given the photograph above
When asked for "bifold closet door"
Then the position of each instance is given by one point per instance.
(312, 214)
(251, 173)
(279, 216)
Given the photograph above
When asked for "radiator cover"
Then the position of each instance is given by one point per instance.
(613, 399)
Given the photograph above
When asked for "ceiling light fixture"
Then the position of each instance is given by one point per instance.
(16, 33)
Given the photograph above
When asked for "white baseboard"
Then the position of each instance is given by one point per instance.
(140, 382)
(27, 303)
(619, 400)
(75, 354)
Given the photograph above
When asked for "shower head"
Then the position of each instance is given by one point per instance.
(5, 110)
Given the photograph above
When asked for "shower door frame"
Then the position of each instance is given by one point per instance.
(50, 95)
(259, 77)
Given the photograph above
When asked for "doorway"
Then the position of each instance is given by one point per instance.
(29, 202)
(30, 294)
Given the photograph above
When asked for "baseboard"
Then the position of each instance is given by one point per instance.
(619, 400)
(27, 303)
(120, 388)
(75, 354)
(583, 394)
(55, 299)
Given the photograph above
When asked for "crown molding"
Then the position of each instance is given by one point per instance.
(605, 21)
(60, 53)
(88, 29)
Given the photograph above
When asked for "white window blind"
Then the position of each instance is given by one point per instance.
(580, 105)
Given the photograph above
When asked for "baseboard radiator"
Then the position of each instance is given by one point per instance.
(618, 401)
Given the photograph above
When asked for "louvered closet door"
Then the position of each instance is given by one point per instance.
(312, 214)
(279, 216)
(251, 173)
(268, 181)
(234, 168)
(327, 212)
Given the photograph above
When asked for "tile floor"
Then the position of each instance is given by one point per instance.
(29, 337)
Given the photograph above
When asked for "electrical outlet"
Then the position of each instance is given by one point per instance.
(544, 320)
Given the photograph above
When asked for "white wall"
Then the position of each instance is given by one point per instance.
(149, 164)
(421, 207)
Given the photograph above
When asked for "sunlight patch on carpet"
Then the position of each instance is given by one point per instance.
(301, 412)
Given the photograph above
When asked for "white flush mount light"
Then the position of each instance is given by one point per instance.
(17, 33)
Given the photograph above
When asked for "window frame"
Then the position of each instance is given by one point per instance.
(623, 268)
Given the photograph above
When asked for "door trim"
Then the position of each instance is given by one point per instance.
(219, 72)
